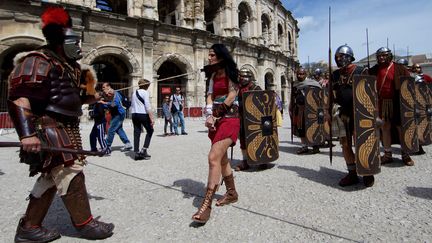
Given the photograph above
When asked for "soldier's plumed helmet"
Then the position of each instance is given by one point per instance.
(344, 56)
(403, 61)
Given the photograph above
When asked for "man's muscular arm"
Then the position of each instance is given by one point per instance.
(31, 143)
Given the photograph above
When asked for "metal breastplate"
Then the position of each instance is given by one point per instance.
(64, 93)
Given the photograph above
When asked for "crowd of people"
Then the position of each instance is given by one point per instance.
(45, 109)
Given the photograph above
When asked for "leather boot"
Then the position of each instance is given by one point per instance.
(78, 206)
(368, 181)
(349, 179)
(242, 166)
(231, 195)
(407, 159)
(203, 213)
(30, 226)
(387, 158)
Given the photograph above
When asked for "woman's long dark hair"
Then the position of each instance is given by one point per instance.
(222, 53)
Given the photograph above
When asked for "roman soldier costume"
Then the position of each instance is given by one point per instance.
(44, 104)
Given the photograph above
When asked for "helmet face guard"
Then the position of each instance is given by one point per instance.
(245, 77)
(344, 56)
(71, 45)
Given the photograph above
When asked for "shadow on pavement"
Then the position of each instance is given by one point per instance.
(1, 173)
(325, 176)
(421, 192)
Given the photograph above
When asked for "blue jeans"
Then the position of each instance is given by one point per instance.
(179, 117)
(116, 126)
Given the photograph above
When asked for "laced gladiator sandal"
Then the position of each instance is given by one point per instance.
(242, 166)
(315, 150)
(231, 195)
(96, 230)
(303, 150)
(407, 160)
(350, 179)
(368, 181)
(387, 158)
(34, 234)
(203, 213)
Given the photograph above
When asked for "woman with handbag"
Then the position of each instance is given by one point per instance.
(223, 123)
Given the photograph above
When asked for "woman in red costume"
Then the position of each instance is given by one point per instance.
(224, 124)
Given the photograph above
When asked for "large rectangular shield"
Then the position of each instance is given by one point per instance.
(315, 126)
(259, 119)
(409, 134)
(422, 119)
(366, 139)
(429, 109)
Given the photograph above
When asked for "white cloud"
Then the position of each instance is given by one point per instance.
(307, 23)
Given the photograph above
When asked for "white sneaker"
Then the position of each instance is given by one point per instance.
(126, 147)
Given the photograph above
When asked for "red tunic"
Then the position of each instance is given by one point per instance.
(385, 81)
(225, 127)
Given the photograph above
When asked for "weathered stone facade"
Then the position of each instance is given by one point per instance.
(157, 39)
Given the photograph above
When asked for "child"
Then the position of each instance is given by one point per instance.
(98, 131)
(166, 113)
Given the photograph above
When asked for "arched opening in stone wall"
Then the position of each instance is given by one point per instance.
(211, 10)
(167, 87)
(110, 68)
(6, 66)
(280, 35)
(289, 41)
(114, 6)
(283, 89)
(244, 20)
(268, 81)
(265, 28)
(167, 10)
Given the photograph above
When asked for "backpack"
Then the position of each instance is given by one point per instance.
(125, 101)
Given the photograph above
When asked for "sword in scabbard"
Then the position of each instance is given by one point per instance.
(56, 149)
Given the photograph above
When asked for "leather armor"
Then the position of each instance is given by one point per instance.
(62, 80)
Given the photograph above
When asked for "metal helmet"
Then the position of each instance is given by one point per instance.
(71, 44)
(384, 51)
(416, 68)
(245, 76)
(403, 61)
(317, 72)
(344, 56)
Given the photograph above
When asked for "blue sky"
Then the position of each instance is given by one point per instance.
(406, 24)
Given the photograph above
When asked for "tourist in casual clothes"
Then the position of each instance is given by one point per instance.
(142, 116)
(166, 114)
(98, 131)
(118, 114)
(176, 107)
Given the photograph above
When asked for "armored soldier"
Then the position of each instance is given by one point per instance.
(245, 84)
(417, 70)
(388, 75)
(343, 90)
(297, 109)
(44, 105)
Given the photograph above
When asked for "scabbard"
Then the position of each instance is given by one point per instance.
(56, 149)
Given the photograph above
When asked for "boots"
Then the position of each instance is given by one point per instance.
(142, 155)
(203, 213)
(242, 166)
(350, 179)
(368, 181)
(30, 226)
(77, 204)
(407, 159)
(231, 195)
(387, 158)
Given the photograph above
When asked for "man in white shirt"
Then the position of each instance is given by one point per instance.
(142, 116)
(176, 107)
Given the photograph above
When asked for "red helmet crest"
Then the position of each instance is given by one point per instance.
(56, 16)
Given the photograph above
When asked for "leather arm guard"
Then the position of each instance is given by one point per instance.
(23, 120)
(220, 110)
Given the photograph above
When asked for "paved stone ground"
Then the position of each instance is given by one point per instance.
(297, 200)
